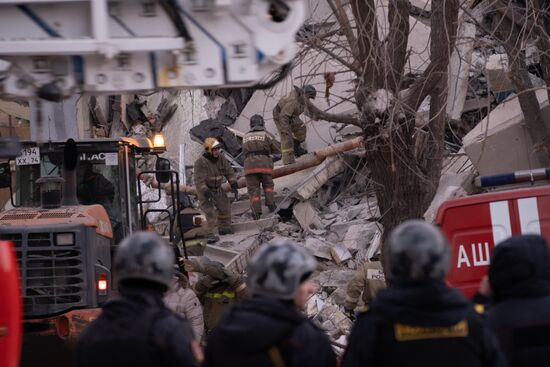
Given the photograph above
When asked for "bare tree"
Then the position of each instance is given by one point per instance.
(404, 159)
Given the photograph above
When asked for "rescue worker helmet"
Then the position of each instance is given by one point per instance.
(310, 91)
(144, 256)
(211, 143)
(278, 268)
(417, 251)
(257, 121)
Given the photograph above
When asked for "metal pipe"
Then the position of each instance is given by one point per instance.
(311, 160)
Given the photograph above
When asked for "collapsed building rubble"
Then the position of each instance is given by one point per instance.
(335, 221)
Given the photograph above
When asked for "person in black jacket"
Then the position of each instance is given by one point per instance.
(136, 329)
(418, 320)
(269, 329)
(519, 276)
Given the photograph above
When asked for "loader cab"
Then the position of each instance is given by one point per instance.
(106, 175)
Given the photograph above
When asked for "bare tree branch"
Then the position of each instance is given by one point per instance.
(339, 118)
(398, 38)
(345, 24)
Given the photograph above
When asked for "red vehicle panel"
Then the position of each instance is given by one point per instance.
(10, 307)
(473, 225)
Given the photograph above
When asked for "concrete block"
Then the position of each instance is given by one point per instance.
(338, 297)
(497, 71)
(258, 225)
(334, 278)
(318, 248)
(340, 253)
(333, 314)
(314, 305)
(367, 211)
(359, 236)
(500, 143)
(322, 173)
(459, 69)
(340, 228)
(308, 217)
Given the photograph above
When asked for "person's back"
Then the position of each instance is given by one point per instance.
(183, 301)
(136, 329)
(268, 329)
(247, 333)
(519, 276)
(418, 320)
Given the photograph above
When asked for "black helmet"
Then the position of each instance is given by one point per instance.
(417, 252)
(310, 91)
(257, 122)
(144, 256)
(278, 268)
(520, 267)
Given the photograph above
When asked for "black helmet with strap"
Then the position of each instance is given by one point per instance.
(257, 123)
(309, 91)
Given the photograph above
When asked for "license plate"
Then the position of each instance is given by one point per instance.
(28, 156)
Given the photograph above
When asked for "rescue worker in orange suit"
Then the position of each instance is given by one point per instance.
(292, 129)
(258, 145)
(209, 172)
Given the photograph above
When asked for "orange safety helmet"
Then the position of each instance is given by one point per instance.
(211, 143)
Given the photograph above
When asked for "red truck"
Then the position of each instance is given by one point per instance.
(475, 224)
(10, 307)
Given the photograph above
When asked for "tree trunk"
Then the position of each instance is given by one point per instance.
(539, 132)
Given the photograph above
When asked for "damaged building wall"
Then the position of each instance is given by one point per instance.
(191, 110)
(488, 145)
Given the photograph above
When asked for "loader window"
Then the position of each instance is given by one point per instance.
(26, 189)
(96, 182)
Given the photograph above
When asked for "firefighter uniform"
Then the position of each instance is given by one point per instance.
(286, 116)
(366, 282)
(209, 173)
(217, 288)
(258, 145)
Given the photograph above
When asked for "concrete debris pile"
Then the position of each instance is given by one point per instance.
(338, 224)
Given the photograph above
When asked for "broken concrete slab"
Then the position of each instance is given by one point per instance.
(366, 211)
(322, 173)
(375, 244)
(488, 144)
(314, 305)
(288, 227)
(422, 6)
(340, 228)
(333, 314)
(359, 236)
(257, 225)
(334, 278)
(318, 248)
(459, 69)
(340, 253)
(497, 71)
(454, 183)
(474, 104)
(308, 217)
(330, 329)
(338, 297)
